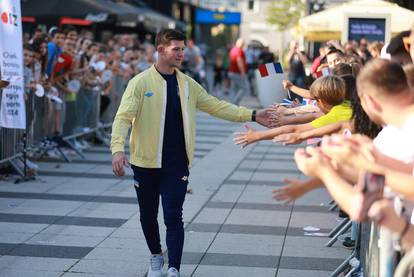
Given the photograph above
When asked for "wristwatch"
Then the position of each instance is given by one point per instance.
(254, 115)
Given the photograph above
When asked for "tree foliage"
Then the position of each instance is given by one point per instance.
(285, 13)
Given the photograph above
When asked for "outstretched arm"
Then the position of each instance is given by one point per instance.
(295, 189)
(245, 138)
(294, 138)
(288, 85)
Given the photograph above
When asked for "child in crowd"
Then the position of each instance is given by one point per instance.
(61, 73)
(329, 92)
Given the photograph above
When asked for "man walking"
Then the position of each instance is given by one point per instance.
(160, 103)
(237, 71)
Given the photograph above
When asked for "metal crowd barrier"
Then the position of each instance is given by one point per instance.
(373, 253)
(83, 118)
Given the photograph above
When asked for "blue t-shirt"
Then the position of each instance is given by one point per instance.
(174, 155)
(53, 51)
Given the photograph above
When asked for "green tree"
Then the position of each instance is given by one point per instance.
(285, 13)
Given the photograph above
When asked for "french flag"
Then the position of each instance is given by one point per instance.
(270, 69)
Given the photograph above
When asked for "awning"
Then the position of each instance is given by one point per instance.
(100, 11)
(75, 21)
(92, 10)
(64, 8)
(329, 24)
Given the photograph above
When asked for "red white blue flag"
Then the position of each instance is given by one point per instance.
(270, 69)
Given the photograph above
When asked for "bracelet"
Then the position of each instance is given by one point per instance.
(254, 115)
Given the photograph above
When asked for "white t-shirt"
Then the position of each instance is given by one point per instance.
(397, 142)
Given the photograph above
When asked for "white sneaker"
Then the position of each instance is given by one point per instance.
(173, 272)
(156, 264)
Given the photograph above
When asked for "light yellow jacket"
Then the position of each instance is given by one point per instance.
(143, 106)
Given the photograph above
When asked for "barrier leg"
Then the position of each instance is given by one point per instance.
(342, 231)
(16, 167)
(333, 207)
(75, 149)
(63, 155)
(342, 266)
(338, 227)
(102, 138)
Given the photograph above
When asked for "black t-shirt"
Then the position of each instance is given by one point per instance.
(174, 155)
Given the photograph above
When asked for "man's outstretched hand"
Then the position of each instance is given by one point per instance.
(119, 160)
(263, 117)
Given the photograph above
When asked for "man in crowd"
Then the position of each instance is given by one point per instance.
(160, 104)
(193, 59)
(54, 48)
(237, 71)
(296, 60)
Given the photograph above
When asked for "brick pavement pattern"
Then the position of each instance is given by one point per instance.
(77, 219)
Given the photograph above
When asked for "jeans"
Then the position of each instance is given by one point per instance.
(238, 87)
(150, 184)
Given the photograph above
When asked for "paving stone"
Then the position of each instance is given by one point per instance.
(6, 227)
(65, 240)
(232, 271)
(113, 268)
(87, 231)
(197, 242)
(243, 244)
(35, 263)
(31, 273)
(229, 193)
(262, 218)
(301, 273)
(212, 215)
(312, 247)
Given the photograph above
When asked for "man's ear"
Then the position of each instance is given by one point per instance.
(373, 103)
(160, 49)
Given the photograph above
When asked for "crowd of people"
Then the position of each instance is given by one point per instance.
(357, 119)
(80, 81)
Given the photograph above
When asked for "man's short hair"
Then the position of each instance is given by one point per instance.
(330, 89)
(382, 76)
(165, 37)
(56, 31)
(333, 50)
(69, 28)
(28, 47)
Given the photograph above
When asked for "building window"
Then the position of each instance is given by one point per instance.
(250, 5)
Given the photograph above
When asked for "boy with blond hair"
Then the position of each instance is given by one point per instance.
(329, 93)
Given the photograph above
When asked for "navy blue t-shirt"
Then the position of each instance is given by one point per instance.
(174, 155)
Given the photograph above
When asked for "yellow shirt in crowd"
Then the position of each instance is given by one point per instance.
(338, 113)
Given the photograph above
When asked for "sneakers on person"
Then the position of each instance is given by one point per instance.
(156, 264)
(348, 243)
(173, 272)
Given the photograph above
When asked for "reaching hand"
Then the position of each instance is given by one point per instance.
(287, 139)
(245, 138)
(310, 161)
(287, 84)
(119, 160)
(383, 213)
(289, 193)
(263, 117)
(357, 151)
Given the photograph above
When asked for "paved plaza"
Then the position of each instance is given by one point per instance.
(77, 219)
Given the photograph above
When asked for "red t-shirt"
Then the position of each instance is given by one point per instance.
(63, 65)
(315, 64)
(236, 53)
